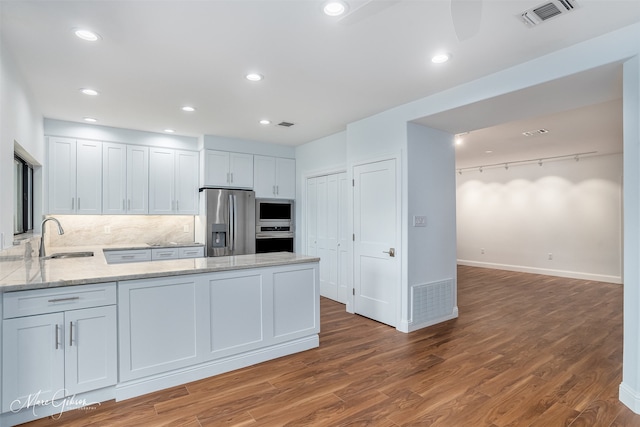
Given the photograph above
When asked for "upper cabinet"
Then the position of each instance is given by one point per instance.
(274, 177)
(224, 169)
(125, 179)
(173, 181)
(75, 176)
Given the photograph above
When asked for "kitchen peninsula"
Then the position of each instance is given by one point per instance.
(102, 331)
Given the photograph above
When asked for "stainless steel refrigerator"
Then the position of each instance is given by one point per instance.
(229, 221)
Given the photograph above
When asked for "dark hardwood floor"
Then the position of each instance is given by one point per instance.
(527, 350)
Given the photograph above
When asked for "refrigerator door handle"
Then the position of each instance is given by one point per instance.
(232, 217)
(235, 221)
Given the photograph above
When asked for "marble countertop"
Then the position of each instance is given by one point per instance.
(34, 273)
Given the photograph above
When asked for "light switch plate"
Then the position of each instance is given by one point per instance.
(419, 221)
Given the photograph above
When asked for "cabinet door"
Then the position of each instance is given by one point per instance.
(114, 178)
(62, 175)
(241, 170)
(32, 360)
(216, 166)
(186, 196)
(158, 325)
(285, 178)
(137, 179)
(91, 344)
(161, 180)
(264, 174)
(88, 177)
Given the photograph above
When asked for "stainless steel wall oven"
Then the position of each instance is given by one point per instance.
(274, 225)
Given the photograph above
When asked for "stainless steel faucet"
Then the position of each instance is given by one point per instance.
(60, 231)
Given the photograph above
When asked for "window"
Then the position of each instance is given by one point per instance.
(23, 196)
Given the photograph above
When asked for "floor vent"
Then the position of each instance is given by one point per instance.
(432, 301)
(539, 14)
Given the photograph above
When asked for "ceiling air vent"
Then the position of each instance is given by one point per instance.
(539, 14)
(285, 124)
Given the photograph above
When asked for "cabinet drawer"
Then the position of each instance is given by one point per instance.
(119, 257)
(41, 301)
(164, 253)
(191, 252)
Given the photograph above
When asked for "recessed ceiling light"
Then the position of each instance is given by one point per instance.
(169, 130)
(90, 92)
(254, 77)
(87, 35)
(188, 109)
(334, 8)
(90, 119)
(265, 122)
(488, 152)
(440, 58)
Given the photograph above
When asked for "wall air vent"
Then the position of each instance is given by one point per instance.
(539, 14)
(285, 124)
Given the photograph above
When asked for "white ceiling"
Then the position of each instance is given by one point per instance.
(321, 74)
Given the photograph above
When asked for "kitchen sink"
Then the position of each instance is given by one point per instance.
(69, 255)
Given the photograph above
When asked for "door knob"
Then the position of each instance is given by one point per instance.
(391, 252)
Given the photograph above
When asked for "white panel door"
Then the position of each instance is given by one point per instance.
(62, 175)
(344, 285)
(285, 178)
(241, 170)
(91, 349)
(376, 219)
(186, 196)
(89, 177)
(161, 180)
(33, 359)
(322, 238)
(312, 216)
(114, 178)
(332, 236)
(137, 179)
(216, 171)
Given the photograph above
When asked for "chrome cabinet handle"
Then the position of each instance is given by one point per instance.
(274, 190)
(64, 299)
(228, 181)
(70, 334)
(57, 336)
(124, 207)
(128, 256)
(232, 177)
(177, 205)
(277, 189)
(391, 252)
(129, 204)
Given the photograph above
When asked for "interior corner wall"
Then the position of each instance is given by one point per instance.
(563, 218)
(21, 122)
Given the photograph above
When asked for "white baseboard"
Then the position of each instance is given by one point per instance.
(545, 271)
(629, 397)
(153, 383)
(410, 327)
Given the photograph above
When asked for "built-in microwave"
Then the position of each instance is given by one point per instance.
(274, 212)
(274, 225)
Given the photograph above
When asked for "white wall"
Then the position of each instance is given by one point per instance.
(236, 145)
(20, 122)
(520, 215)
(431, 250)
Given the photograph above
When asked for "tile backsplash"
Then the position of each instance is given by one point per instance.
(84, 230)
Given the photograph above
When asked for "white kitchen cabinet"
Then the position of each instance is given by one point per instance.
(173, 181)
(225, 169)
(117, 256)
(164, 253)
(75, 176)
(274, 177)
(158, 325)
(125, 179)
(63, 351)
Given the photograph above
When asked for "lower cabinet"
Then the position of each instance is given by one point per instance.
(60, 353)
(176, 322)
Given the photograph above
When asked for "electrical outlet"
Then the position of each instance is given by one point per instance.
(185, 228)
(482, 251)
(419, 221)
(550, 256)
(107, 229)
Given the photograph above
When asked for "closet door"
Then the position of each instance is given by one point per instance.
(344, 285)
